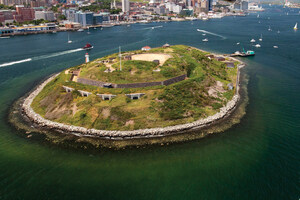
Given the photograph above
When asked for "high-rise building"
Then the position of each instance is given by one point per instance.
(244, 5)
(125, 6)
(209, 4)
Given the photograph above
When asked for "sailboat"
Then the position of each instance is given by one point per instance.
(258, 16)
(260, 39)
(269, 28)
(69, 41)
(296, 26)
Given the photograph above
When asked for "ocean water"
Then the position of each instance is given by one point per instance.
(256, 159)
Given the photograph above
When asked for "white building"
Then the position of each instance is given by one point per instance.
(172, 7)
(125, 6)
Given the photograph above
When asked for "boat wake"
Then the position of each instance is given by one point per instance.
(152, 27)
(57, 54)
(15, 62)
(210, 33)
(41, 57)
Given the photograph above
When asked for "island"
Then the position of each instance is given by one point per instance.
(143, 93)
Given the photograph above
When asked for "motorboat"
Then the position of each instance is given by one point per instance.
(88, 46)
(69, 41)
(275, 47)
(205, 40)
(257, 46)
(80, 30)
(252, 40)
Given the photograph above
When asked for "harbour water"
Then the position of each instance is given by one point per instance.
(256, 159)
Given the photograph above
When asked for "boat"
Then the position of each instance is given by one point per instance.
(80, 30)
(260, 39)
(296, 26)
(248, 53)
(258, 16)
(4, 37)
(152, 27)
(252, 40)
(275, 47)
(69, 41)
(205, 40)
(88, 46)
(278, 31)
(269, 28)
(257, 46)
(204, 34)
(54, 31)
(237, 43)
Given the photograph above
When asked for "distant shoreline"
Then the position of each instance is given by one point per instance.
(120, 135)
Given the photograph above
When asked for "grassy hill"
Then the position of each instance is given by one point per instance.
(202, 94)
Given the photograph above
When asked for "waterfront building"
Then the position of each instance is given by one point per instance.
(244, 5)
(24, 14)
(97, 19)
(7, 16)
(125, 6)
(84, 18)
(46, 15)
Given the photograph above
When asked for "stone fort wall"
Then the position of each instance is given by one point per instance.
(132, 85)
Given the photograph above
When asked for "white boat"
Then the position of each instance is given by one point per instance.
(252, 40)
(258, 16)
(95, 28)
(275, 47)
(69, 41)
(257, 46)
(205, 40)
(152, 27)
(4, 37)
(278, 31)
(237, 43)
(80, 30)
(204, 34)
(296, 26)
(269, 28)
(260, 39)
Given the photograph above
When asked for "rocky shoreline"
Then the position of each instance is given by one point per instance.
(120, 135)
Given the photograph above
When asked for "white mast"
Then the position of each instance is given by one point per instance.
(120, 58)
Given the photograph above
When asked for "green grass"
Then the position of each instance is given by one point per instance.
(182, 102)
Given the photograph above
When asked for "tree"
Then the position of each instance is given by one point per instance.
(62, 17)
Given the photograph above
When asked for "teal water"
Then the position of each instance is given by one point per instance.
(256, 159)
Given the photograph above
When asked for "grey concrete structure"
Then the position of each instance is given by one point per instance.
(84, 93)
(68, 89)
(135, 95)
(106, 96)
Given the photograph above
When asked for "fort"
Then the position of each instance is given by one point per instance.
(190, 91)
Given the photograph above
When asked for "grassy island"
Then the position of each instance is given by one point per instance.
(209, 83)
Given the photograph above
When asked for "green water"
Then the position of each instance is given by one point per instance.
(256, 159)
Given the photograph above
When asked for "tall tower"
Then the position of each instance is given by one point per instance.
(125, 5)
(87, 58)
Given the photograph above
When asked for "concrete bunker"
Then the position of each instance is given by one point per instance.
(68, 89)
(135, 95)
(84, 93)
(106, 97)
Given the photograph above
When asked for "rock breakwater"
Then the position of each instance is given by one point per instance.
(141, 133)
